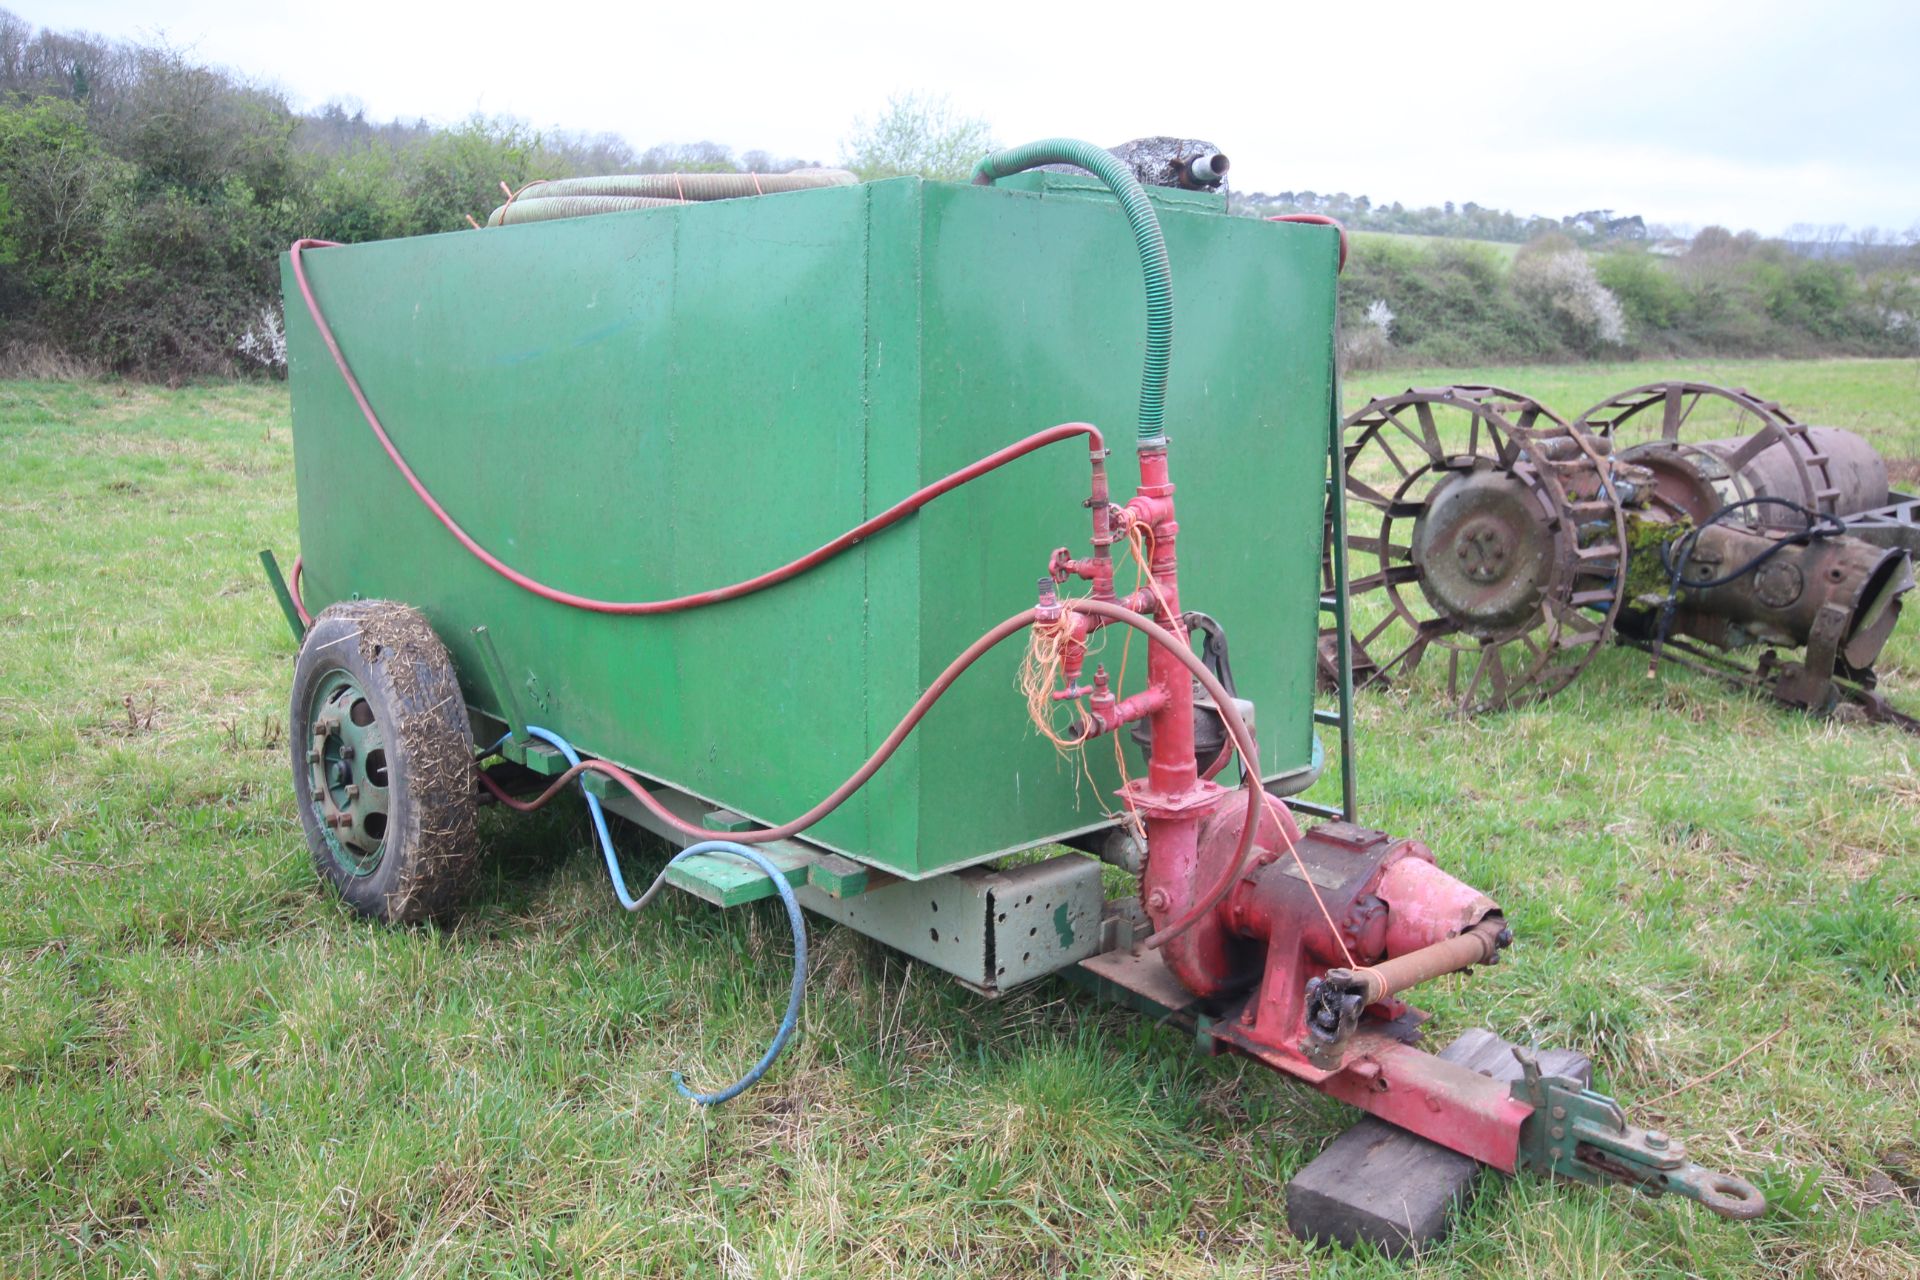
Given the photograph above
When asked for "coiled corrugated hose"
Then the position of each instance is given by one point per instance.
(1113, 171)
(616, 193)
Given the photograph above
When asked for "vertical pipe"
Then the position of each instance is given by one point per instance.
(1337, 550)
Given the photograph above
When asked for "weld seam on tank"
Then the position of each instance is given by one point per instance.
(1148, 239)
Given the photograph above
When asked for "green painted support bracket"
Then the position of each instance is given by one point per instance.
(727, 820)
(728, 882)
(839, 877)
(546, 761)
(502, 687)
(279, 584)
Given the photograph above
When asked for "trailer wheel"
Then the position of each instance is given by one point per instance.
(383, 761)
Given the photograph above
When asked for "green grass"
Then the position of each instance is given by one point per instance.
(208, 1068)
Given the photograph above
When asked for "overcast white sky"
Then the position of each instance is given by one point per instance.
(1758, 114)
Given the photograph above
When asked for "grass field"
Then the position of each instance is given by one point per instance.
(208, 1068)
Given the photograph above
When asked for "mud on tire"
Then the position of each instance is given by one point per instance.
(383, 762)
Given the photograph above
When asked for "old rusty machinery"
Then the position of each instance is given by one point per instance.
(1710, 447)
(1482, 535)
(1689, 519)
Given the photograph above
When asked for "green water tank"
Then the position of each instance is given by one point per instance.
(645, 404)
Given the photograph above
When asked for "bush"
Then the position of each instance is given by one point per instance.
(1650, 296)
(1561, 285)
(178, 280)
(1450, 301)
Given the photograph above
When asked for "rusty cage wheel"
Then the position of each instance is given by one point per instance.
(1700, 441)
(383, 761)
(1482, 523)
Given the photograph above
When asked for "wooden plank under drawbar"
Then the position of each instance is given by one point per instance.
(1380, 1185)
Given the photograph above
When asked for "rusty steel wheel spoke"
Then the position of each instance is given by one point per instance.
(1376, 547)
(1380, 441)
(1750, 448)
(1462, 697)
(1534, 650)
(1376, 633)
(1368, 494)
(1429, 432)
(1573, 626)
(1423, 639)
(1496, 669)
(1426, 438)
(1393, 576)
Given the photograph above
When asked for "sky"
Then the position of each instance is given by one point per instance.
(1759, 114)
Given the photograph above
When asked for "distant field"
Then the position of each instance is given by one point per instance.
(208, 1068)
(1504, 248)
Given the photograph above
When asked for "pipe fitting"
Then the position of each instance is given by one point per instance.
(1104, 714)
(1047, 604)
(1206, 169)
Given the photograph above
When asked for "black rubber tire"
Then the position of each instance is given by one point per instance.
(430, 845)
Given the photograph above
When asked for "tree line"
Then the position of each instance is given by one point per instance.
(1455, 302)
(145, 197)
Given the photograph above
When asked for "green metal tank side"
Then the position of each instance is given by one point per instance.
(642, 405)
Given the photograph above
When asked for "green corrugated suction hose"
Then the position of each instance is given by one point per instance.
(1110, 169)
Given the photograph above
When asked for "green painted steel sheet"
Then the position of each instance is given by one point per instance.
(646, 404)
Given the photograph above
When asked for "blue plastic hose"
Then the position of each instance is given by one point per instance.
(795, 919)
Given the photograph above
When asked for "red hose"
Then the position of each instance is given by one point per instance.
(899, 510)
(1236, 728)
(1319, 220)
(1243, 741)
(834, 800)
(293, 591)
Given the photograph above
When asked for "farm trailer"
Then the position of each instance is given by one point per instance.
(527, 456)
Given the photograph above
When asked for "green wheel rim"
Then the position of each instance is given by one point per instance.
(347, 773)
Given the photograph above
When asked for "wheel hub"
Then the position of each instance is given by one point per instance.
(1688, 482)
(1484, 550)
(347, 774)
